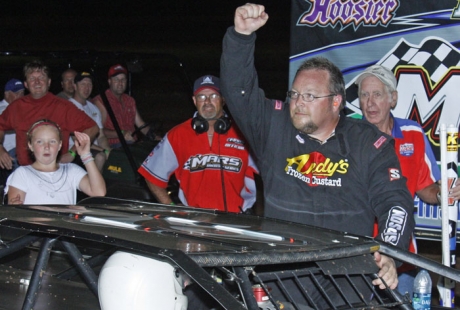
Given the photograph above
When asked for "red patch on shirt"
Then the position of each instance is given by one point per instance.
(380, 141)
(278, 105)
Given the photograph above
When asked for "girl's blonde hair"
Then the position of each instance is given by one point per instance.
(41, 123)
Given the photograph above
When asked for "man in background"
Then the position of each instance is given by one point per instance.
(41, 104)
(123, 107)
(14, 89)
(378, 95)
(67, 84)
(83, 84)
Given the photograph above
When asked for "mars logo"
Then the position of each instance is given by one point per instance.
(211, 161)
(349, 12)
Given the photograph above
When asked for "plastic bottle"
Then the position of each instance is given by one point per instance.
(421, 299)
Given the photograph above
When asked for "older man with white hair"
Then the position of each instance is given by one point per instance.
(377, 97)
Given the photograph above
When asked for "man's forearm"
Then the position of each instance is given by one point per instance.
(160, 193)
(145, 130)
(92, 133)
(103, 142)
(110, 133)
(429, 193)
(5, 158)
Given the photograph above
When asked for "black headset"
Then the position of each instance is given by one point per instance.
(201, 125)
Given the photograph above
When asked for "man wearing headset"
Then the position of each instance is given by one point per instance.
(208, 156)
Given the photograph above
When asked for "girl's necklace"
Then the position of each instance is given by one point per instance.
(52, 182)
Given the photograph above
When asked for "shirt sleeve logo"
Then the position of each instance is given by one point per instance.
(394, 174)
(406, 149)
(395, 224)
(379, 142)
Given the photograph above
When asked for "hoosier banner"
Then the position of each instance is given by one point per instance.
(417, 40)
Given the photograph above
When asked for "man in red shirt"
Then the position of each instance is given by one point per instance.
(123, 106)
(40, 104)
(208, 155)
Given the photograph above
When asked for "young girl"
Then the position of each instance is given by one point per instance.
(48, 182)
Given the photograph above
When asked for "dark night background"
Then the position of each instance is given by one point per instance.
(191, 30)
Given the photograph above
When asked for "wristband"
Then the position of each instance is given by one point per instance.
(86, 158)
(172, 204)
(72, 153)
(106, 152)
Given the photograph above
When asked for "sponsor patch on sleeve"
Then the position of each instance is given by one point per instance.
(406, 149)
(394, 174)
(394, 227)
(278, 105)
(379, 142)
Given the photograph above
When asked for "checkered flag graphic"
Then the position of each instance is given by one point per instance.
(434, 54)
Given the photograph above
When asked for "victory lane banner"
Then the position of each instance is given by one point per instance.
(417, 40)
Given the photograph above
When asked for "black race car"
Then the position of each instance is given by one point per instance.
(151, 256)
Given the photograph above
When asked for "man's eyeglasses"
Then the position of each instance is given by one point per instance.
(293, 95)
(202, 98)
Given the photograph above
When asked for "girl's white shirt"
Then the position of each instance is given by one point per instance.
(57, 187)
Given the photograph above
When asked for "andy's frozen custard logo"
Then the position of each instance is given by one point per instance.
(316, 164)
(316, 170)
